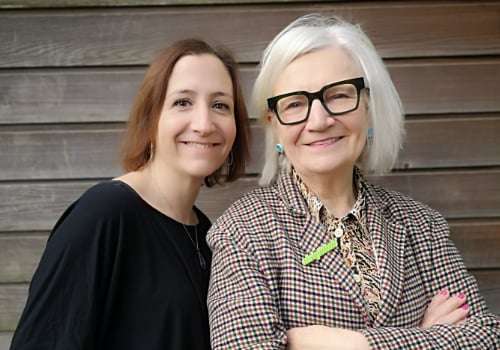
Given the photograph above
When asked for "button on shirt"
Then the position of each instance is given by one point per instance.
(353, 239)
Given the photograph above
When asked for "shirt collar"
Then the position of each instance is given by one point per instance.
(316, 208)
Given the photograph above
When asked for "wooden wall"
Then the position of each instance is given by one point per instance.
(69, 70)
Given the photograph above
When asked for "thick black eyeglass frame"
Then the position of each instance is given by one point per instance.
(359, 83)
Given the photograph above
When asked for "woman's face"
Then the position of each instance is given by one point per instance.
(197, 125)
(323, 144)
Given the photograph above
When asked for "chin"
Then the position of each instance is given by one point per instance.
(201, 172)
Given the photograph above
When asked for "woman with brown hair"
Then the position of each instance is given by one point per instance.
(127, 265)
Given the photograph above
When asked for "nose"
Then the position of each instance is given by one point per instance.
(202, 121)
(319, 118)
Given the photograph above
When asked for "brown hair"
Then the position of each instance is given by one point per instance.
(145, 113)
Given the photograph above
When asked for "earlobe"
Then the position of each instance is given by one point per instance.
(279, 148)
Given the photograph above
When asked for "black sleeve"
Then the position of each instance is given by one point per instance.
(68, 288)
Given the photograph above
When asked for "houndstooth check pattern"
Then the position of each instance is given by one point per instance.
(355, 242)
(259, 288)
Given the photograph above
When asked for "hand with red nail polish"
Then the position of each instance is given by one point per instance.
(445, 309)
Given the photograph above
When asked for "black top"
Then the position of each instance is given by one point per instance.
(118, 274)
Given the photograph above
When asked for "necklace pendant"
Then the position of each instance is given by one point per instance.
(203, 263)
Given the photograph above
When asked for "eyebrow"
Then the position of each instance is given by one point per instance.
(214, 94)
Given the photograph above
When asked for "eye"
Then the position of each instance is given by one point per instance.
(182, 102)
(292, 104)
(221, 106)
(337, 97)
(340, 92)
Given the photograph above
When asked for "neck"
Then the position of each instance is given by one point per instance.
(335, 191)
(167, 192)
(174, 195)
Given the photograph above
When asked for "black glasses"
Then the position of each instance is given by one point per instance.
(337, 98)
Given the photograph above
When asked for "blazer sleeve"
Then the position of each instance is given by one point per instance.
(445, 269)
(242, 312)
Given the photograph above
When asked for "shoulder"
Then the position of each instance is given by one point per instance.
(249, 218)
(104, 207)
(402, 209)
(106, 199)
(250, 207)
(394, 200)
(108, 195)
(390, 197)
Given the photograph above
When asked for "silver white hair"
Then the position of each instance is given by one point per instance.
(385, 112)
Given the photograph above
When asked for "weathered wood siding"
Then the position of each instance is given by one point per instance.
(69, 71)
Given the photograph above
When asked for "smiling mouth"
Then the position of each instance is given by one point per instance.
(200, 145)
(330, 141)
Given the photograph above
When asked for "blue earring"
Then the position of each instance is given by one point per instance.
(369, 133)
(280, 148)
(369, 137)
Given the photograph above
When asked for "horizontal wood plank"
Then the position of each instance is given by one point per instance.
(36, 206)
(53, 153)
(13, 297)
(458, 194)
(19, 256)
(489, 286)
(12, 301)
(458, 141)
(444, 86)
(106, 94)
(64, 96)
(5, 340)
(120, 36)
(477, 241)
(92, 151)
(9, 4)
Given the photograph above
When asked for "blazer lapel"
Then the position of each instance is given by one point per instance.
(309, 235)
(389, 244)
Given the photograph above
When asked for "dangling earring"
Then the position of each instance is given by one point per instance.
(229, 159)
(369, 136)
(151, 151)
(280, 148)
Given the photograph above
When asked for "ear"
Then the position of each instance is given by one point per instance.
(270, 124)
(269, 117)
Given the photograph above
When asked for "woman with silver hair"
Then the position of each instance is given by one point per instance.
(319, 258)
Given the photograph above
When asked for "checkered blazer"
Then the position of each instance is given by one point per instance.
(259, 288)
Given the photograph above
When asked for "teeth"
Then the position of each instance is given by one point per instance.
(326, 142)
(198, 145)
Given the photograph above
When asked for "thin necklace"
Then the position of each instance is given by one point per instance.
(203, 263)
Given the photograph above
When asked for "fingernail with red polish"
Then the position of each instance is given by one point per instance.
(444, 292)
(465, 306)
(461, 296)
